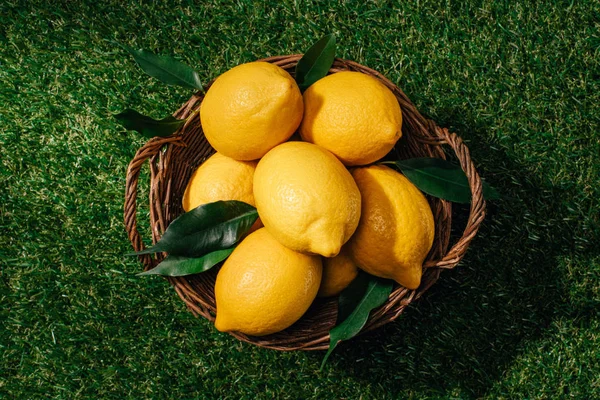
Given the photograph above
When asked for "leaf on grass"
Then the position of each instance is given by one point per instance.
(490, 192)
(377, 292)
(315, 63)
(440, 178)
(149, 127)
(205, 229)
(166, 69)
(181, 266)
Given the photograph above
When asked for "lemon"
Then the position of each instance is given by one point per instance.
(264, 287)
(396, 227)
(220, 178)
(353, 115)
(338, 272)
(250, 109)
(306, 198)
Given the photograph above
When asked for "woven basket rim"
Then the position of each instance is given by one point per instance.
(168, 165)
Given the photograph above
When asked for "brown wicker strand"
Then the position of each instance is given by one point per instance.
(150, 149)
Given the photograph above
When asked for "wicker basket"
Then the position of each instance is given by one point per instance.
(173, 160)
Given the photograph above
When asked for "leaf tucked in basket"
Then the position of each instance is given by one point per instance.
(440, 178)
(166, 69)
(147, 126)
(181, 266)
(315, 63)
(351, 296)
(205, 229)
(364, 294)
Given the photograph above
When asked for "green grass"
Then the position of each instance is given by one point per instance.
(519, 317)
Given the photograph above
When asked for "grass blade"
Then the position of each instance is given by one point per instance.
(147, 126)
(316, 62)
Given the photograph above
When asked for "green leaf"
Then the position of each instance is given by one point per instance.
(440, 178)
(181, 266)
(166, 69)
(315, 63)
(149, 127)
(206, 228)
(377, 292)
(490, 192)
(351, 295)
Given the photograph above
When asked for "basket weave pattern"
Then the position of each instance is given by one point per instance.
(173, 159)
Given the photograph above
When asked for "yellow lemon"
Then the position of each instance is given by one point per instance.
(396, 227)
(250, 109)
(353, 115)
(264, 287)
(220, 178)
(306, 198)
(338, 272)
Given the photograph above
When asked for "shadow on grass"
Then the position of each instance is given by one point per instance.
(467, 330)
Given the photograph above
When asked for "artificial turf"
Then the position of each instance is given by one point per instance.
(518, 318)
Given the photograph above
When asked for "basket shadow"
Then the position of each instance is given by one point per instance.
(470, 326)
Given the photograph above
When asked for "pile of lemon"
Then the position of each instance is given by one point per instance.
(326, 210)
